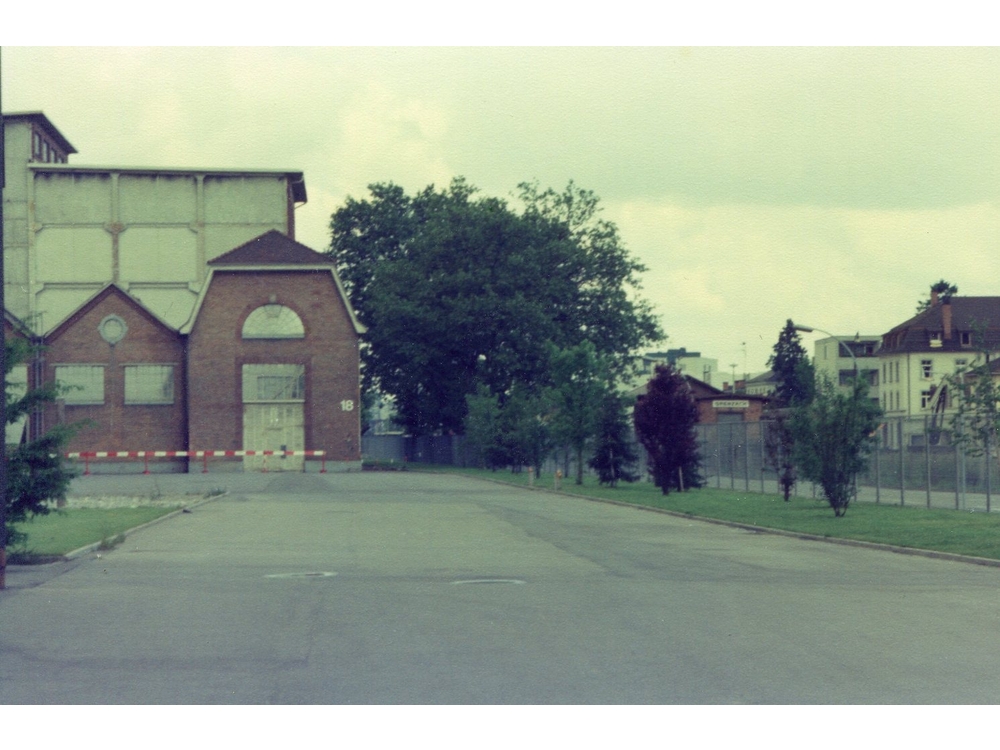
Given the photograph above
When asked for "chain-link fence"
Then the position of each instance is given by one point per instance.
(914, 462)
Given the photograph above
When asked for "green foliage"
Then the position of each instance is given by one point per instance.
(511, 432)
(581, 381)
(615, 457)
(832, 436)
(66, 530)
(459, 290)
(944, 290)
(665, 417)
(795, 385)
(794, 375)
(779, 448)
(36, 471)
(975, 394)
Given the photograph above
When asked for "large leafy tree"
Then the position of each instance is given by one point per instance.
(459, 290)
(832, 436)
(665, 417)
(36, 472)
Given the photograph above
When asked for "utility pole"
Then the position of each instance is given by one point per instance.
(3, 360)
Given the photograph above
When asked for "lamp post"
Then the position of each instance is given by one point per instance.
(810, 329)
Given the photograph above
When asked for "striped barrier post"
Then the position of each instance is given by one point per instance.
(88, 456)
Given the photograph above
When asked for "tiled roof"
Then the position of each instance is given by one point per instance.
(271, 248)
(979, 316)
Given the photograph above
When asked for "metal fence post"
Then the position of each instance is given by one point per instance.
(878, 476)
(732, 459)
(927, 459)
(746, 455)
(718, 454)
(988, 467)
(902, 466)
(763, 458)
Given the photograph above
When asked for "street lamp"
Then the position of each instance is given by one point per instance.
(808, 329)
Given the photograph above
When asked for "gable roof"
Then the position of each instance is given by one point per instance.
(971, 314)
(96, 299)
(270, 249)
(17, 325)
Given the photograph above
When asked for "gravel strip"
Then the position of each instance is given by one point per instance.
(166, 501)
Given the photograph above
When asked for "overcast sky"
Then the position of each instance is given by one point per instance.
(827, 185)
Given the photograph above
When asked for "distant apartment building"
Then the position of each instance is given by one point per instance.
(918, 355)
(839, 358)
(689, 363)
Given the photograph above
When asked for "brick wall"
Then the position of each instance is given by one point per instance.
(329, 354)
(115, 426)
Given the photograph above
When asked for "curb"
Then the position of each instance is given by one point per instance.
(125, 534)
(914, 551)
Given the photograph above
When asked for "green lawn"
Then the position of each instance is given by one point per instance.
(976, 534)
(66, 530)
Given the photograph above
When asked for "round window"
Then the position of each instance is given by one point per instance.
(112, 329)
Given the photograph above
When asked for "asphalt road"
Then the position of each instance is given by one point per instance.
(423, 589)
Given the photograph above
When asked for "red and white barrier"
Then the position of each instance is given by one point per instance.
(203, 455)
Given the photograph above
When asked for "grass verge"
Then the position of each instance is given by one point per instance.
(956, 532)
(63, 531)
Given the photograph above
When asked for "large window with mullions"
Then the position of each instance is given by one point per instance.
(273, 383)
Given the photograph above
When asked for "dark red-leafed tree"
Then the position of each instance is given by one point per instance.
(665, 417)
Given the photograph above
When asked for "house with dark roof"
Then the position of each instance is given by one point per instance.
(917, 356)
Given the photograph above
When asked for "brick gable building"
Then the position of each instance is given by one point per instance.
(176, 307)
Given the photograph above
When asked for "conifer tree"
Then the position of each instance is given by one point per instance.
(615, 457)
(36, 472)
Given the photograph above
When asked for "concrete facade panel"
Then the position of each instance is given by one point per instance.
(72, 198)
(74, 254)
(246, 199)
(172, 304)
(55, 304)
(166, 254)
(157, 198)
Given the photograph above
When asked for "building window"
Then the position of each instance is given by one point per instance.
(273, 321)
(965, 337)
(961, 364)
(270, 383)
(897, 372)
(935, 339)
(83, 384)
(149, 384)
(926, 369)
(925, 399)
